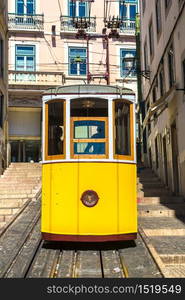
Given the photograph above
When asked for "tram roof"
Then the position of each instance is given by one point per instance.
(89, 89)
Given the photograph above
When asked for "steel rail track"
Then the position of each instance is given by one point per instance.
(54, 261)
(31, 257)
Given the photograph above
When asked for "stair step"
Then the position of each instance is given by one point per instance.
(16, 196)
(25, 163)
(34, 167)
(17, 180)
(162, 222)
(29, 171)
(18, 177)
(6, 183)
(12, 202)
(162, 200)
(22, 171)
(17, 190)
(9, 211)
(2, 224)
(161, 211)
(151, 185)
(19, 187)
(148, 179)
(156, 192)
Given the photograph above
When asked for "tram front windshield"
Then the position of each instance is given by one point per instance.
(89, 130)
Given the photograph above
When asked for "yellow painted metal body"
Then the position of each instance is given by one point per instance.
(64, 213)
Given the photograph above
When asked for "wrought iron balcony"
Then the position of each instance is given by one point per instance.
(25, 22)
(37, 78)
(128, 26)
(69, 24)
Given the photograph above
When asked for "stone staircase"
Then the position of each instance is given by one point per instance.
(152, 191)
(161, 219)
(19, 183)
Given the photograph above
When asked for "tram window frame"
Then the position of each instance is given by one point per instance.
(120, 156)
(81, 140)
(57, 156)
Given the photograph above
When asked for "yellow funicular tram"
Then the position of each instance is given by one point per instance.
(89, 164)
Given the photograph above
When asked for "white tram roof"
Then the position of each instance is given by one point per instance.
(89, 89)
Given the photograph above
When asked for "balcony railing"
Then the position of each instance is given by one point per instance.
(25, 22)
(40, 78)
(67, 24)
(128, 26)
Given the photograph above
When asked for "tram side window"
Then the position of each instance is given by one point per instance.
(122, 128)
(55, 128)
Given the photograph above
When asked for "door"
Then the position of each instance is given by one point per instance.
(150, 158)
(165, 161)
(175, 158)
(25, 151)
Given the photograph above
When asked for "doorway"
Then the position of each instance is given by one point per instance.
(150, 158)
(25, 151)
(174, 142)
(165, 161)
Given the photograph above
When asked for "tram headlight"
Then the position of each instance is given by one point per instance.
(89, 198)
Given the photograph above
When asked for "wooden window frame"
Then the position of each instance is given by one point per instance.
(119, 156)
(105, 140)
(61, 156)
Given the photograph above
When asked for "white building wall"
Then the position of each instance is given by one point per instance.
(172, 32)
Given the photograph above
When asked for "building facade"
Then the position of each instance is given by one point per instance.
(163, 90)
(45, 51)
(3, 84)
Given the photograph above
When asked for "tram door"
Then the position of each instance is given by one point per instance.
(90, 143)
